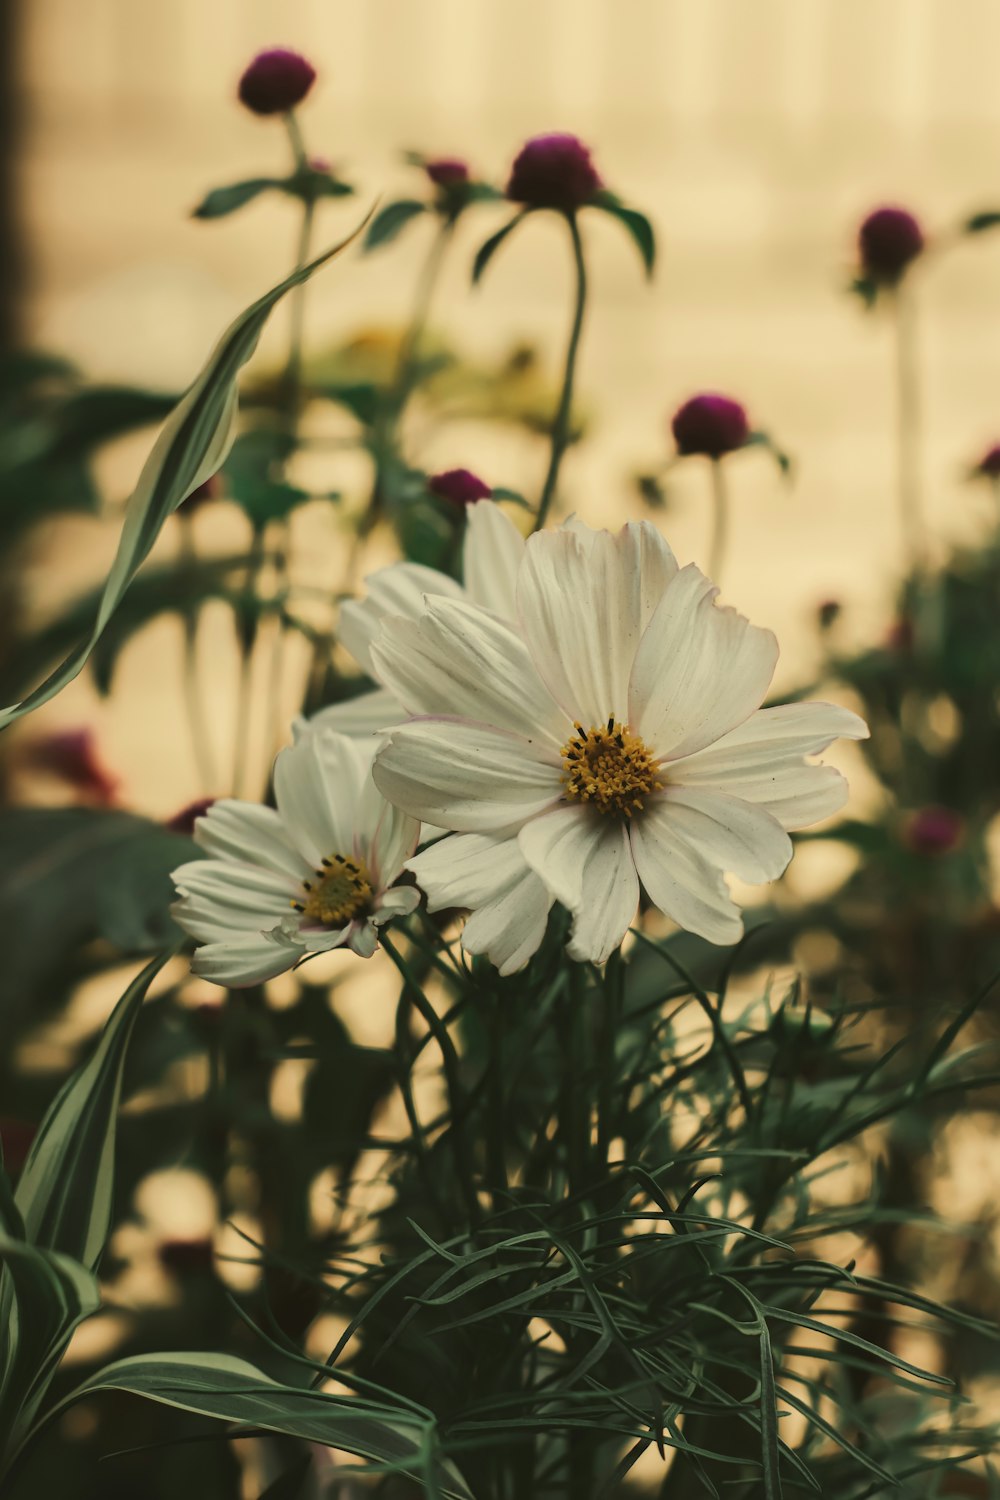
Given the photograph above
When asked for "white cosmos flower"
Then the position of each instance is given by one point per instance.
(617, 732)
(314, 873)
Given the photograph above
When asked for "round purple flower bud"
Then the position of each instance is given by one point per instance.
(933, 830)
(828, 612)
(447, 172)
(459, 487)
(888, 240)
(276, 81)
(553, 171)
(989, 464)
(711, 425)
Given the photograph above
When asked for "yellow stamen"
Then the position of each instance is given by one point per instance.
(342, 889)
(609, 767)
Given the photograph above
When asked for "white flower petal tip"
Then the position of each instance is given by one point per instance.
(488, 877)
(313, 874)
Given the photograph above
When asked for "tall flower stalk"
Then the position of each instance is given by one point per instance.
(561, 425)
(909, 424)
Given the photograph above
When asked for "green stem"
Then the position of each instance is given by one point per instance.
(908, 418)
(248, 635)
(452, 1073)
(201, 740)
(560, 427)
(720, 521)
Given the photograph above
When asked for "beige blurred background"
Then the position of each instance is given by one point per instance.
(754, 134)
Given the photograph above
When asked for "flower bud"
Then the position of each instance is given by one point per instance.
(71, 756)
(447, 172)
(989, 465)
(276, 81)
(459, 487)
(184, 820)
(933, 830)
(711, 425)
(888, 240)
(553, 171)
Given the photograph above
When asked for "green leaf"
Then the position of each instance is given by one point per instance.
(512, 497)
(981, 222)
(65, 1192)
(486, 252)
(226, 200)
(218, 1385)
(72, 874)
(780, 456)
(388, 222)
(43, 1296)
(188, 451)
(636, 224)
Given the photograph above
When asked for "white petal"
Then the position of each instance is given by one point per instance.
(396, 590)
(362, 939)
(699, 670)
(318, 783)
(493, 551)
(609, 896)
(399, 902)
(457, 659)
(391, 845)
(580, 613)
(249, 833)
(732, 835)
(763, 761)
(509, 904)
(467, 777)
(322, 939)
(362, 716)
(557, 846)
(248, 960)
(680, 881)
(242, 897)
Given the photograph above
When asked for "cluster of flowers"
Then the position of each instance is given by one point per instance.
(578, 723)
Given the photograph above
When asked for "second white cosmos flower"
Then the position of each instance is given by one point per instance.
(618, 733)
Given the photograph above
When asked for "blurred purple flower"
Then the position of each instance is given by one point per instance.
(989, 465)
(71, 756)
(554, 171)
(933, 830)
(459, 487)
(888, 240)
(711, 425)
(184, 820)
(447, 171)
(276, 81)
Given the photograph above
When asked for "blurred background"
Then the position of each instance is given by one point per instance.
(755, 137)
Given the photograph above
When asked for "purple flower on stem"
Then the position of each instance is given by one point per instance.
(933, 830)
(554, 171)
(447, 171)
(710, 425)
(276, 81)
(459, 487)
(71, 756)
(888, 241)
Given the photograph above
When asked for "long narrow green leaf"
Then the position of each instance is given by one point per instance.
(217, 1385)
(189, 449)
(64, 1194)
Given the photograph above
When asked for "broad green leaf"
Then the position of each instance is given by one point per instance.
(190, 448)
(981, 222)
(226, 200)
(486, 251)
(43, 1296)
(69, 875)
(636, 224)
(218, 1385)
(65, 1192)
(388, 222)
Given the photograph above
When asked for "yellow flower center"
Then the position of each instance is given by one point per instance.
(609, 767)
(342, 888)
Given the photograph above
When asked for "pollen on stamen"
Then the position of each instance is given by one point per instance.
(343, 890)
(608, 767)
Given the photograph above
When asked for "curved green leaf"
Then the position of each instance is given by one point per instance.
(388, 222)
(190, 448)
(486, 252)
(226, 200)
(64, 1194)
(639, 229)
(219, 1385)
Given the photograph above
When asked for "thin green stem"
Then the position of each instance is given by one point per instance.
(908, 429)
(248, 635)
(561, 425)
(201, 740)
(720, 521)
(452, 1073)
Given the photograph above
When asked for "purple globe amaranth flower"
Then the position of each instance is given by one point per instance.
(888, 241)
(184, 820)
(71, 755)
(554, 171)
(989, 465)
(933, 830)
(710, 425)
(459, 487)
(447, 171)
(276, 81)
